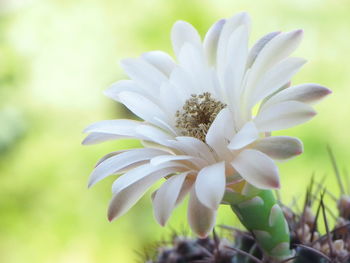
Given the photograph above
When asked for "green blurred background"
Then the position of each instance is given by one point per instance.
(56, 58)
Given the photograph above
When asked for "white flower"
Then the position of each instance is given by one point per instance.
(201, 128)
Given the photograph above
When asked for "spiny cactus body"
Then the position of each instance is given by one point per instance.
(307, 242)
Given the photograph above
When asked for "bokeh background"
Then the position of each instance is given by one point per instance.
(56, 58)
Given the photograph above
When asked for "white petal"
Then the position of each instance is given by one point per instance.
(186, 188)
(218, 88)
(183, 32)
(114, 127)
(237, 59)
(192, 59)
(200, 218)
(161, 60)
(124, 85)
(137, 174)
(280, 147)
(193, 146)
(274, 79)
(210, 185)
(230, 26)
(283, 115)
(245, 136)
(257, 169)
(280, 47)
(211, 41)
(220, 131)
(258, 46)
(153, 134)
(114, 164)
(143, 73)
(148, 144)
(184, 85)
(109, 155)
(170, 99)
(166, 158)
(306, 93)
(167, 126)
(123, 200)
(142, 107)
(96, 137)
(165, 198)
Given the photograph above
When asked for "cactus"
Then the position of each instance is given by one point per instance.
(307, 244)
(198, 250)
(264, 218)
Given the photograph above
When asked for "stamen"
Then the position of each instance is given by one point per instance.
(197, 115)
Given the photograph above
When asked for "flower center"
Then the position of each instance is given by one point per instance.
(197, 114)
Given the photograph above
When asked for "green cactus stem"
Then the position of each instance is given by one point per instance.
(260, 214)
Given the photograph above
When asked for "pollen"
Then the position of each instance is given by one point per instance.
(197, 114)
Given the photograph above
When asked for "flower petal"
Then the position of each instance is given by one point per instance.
(111, 130)
(183, 32)
(114, 127)
(186, 188)
(192, 59)
(245, 136)
(200, 218)
(195, 147)
(125, 198)
(167, 158)
(211, 41)
(220, 131)
(306, 93)
(277, 49)
(142, 107)
(182, 82)
(160, 60)
(96, 137)
(283, 115)
(274, 79)
(258, 46)
(143, 73)
(210, 185)
(114, 164)
(137, 174)
(153, 134)
(124, 85)
(280, 147)
(170, 100)
(109, 155)
(229, 27)
(237, 59)
(165, 198)
(257, 169)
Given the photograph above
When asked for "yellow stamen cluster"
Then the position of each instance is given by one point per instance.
(197, 115)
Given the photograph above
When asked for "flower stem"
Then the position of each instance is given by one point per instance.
(261, 215)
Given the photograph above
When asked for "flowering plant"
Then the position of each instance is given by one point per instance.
(206, 126)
